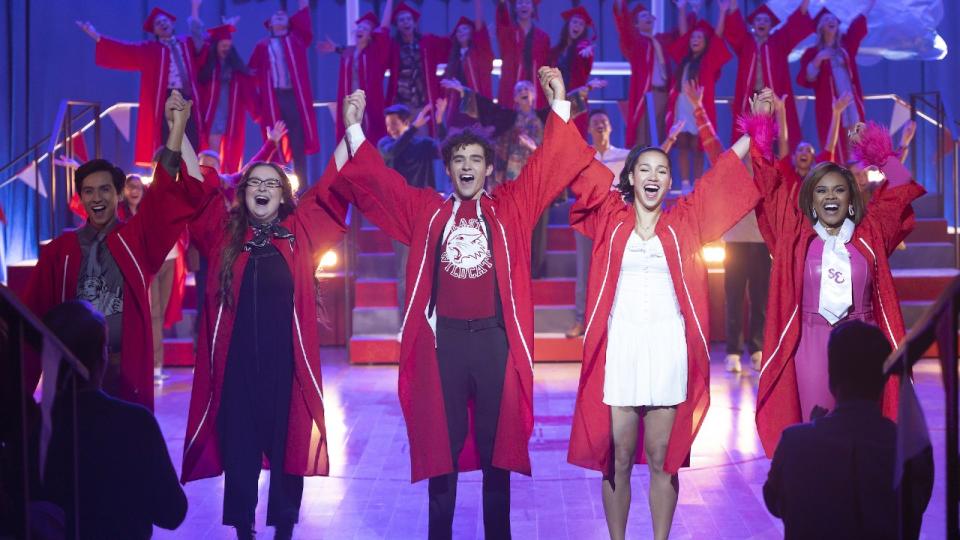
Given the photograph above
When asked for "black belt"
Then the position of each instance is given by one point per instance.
(470, 325)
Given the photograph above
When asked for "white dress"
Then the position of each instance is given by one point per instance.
(646, 361)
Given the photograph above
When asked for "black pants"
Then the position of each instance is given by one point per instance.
(538, 246)
(290, 114)
(191, 132)
(251, 427)
(472, 366)
(746, 267)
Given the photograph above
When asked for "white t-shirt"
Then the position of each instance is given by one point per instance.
(614, 159)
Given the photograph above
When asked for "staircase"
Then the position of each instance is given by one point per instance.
(921, 272)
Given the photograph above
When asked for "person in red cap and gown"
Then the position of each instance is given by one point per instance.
(830, 68)
(165, 63)
(524, 48)
(470, 62)
(363, 66)
(413, 61)
(700, 53)
(282, 70)
(762, 55)
(227, 92)
(573, 53)
(649, 70)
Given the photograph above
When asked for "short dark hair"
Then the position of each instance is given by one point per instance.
(466, 137)
(399, 109)
(82, 329)
(626, 190)
(805, 199)
(594, 112)
(98, 165)
(856, 352)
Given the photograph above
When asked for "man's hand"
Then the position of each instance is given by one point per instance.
(804, 6)
(452, 84)
(586, 51)
(423, 116)
(326, 46)
(551, 81)
(276, 132)
(89, 30)
(353, 107)
(841, 103)
(440, 107)
(694, 92)
(596, 84)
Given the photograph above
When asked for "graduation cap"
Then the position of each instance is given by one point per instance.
(152, 18)
(774, 20)
(704, 27)
(403, 7)
(222, 32)
(823, 13)
(636, 10)
(461, 21)
(578, 11)
(369, 17)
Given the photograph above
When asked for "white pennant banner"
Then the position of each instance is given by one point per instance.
(30, 175)
(121, 118)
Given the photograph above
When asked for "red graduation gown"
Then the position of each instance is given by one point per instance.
(639, 51)
(296, 45)
(139, 246)
(580, 67)
(434, 50)
(510, 40)
(242, 99)
(788, 234)
(372, 63)
(714, 58)
(317, 224)
(152, 60)
(416, 217)
(823, 87)
(721, 198)
(776, 72)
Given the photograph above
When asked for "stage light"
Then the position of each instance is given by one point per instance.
(714, 254)
(875, 175)
(145, 180)
(294, 181)
(329, 260)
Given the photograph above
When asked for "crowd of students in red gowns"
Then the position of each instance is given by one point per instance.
(195, 94)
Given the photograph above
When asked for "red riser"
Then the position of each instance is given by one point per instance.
(553, 292)
(560, 238)
(178, 352)
(376, 293)
(921, 287)
(929, 230)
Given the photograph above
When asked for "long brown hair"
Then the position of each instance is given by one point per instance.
(238, 220)
(805, 199)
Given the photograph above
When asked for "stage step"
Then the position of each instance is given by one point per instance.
(178, 352)
(930, 230)
(923, 255)
(385, 349)
(928, 206)
(922, 284)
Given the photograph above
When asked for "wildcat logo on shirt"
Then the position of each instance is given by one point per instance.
(466, 255)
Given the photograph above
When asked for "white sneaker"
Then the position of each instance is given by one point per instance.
(733, 363)
(756, 359)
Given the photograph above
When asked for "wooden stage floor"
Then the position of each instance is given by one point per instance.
(369, 496)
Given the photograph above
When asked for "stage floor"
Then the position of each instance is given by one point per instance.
(369, 495)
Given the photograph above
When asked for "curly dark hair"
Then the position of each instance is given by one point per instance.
(805, 198)
(626, 190)
(466, 137)
(238, 219)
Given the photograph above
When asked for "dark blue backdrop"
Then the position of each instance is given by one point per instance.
(48, 59)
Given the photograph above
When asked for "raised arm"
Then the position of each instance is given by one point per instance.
(321, 214)
(735, 30)
(379, 192)
(682, 24)
(115, 54)
(387, 15)
(855, 35)
(300, 23)
(556, 162)
(722, 7)
(708, 135)
(591, 192)
(783, 127)
(629, 35)
(833, 134)
(195, 24)
(799, 25)
(504, 27)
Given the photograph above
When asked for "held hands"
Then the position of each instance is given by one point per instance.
(694, 92)
(551, 81)
(89, 30)
(423, 116)
(177, 110)
(762, 103)
(276, 132)
(353, 107)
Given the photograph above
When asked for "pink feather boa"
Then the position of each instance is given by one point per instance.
(761, 129)
(874, 146)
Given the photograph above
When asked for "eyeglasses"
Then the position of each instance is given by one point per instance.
(266, 182)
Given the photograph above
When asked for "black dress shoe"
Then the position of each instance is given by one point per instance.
(283, 532)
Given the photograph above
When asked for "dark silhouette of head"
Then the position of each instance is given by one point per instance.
(83, 330)
(856, 352)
